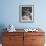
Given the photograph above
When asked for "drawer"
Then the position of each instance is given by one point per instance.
(12, 38)
(13, 33)
(33, 39)
(37, 39)
(34, 33)
(37, 44)
(12, 44)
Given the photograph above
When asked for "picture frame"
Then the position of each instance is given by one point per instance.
(26, 13)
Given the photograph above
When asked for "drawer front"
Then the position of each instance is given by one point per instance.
(12, 44)
(12, 39)
(13, 33)
(37, 39)
(34, 33)
(37, 45)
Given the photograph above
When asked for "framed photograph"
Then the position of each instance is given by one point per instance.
(26, 13)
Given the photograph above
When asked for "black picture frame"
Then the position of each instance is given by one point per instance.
(26, 13)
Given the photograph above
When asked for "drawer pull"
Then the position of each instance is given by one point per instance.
(33, 39)
(10, 38)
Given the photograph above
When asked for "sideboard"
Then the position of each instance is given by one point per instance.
(23, 39)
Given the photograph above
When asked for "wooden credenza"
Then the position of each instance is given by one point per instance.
(23, 39)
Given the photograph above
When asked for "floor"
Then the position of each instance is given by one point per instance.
(0, 44)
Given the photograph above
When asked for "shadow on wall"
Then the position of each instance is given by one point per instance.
(2, 26)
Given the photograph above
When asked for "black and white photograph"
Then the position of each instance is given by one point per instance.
(26, 13)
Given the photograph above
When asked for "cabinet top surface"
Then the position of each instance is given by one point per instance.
(22, 30)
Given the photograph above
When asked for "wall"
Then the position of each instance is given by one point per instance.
(9, 13)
